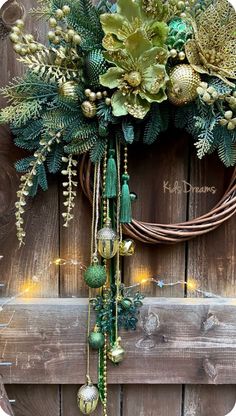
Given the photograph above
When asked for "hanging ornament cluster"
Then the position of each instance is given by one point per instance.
(113, 309)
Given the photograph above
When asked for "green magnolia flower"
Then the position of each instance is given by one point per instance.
(147, 15)
(139, 76)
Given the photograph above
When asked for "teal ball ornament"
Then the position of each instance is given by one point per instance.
(95, 276)
(96, 340)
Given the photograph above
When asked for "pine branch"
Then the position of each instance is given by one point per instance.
(22, 112)
(98, 150)
(80, 146)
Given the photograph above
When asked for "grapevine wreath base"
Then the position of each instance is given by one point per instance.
(152, 233)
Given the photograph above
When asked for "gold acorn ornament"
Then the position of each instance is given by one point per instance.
(87, 397)
(68, 90)
(116, 353)
(127, 247)
(108, 243)
(183, 85)
(89, 109)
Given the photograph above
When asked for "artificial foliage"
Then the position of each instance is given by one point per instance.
(108, 76)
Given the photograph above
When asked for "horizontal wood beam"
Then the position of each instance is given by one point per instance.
(177, 341)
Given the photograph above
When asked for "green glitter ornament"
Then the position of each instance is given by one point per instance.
(95, 275)
(95, 65)
(96, 338)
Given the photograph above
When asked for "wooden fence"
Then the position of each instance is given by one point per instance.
(186, 366)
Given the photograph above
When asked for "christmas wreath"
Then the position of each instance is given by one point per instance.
(109, 76)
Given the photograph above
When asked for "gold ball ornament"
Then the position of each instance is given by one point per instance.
(116, 353)
(68, 89)
(87, 397)
(127, 247)
(89, 109)
(183, 85)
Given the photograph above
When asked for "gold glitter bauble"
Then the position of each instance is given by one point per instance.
(127, 247)
(89, 109)
(116, 353)
(183, 85)
(68, 89)
(87, 398)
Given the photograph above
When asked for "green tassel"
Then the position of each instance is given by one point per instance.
(125, 203)
(111, 176)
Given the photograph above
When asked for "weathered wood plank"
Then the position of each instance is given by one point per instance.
(152, 400)
(149, 173)
(177, 340)
(209, 400)
(211, 261)
(35, 400)
(42, 241)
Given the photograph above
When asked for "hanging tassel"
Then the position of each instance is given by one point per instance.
(111, 176)
(125, 203)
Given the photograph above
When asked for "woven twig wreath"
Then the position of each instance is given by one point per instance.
(151, 233)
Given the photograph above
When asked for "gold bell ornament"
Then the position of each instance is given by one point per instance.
(87, 397)
(116, 353)
(108, 243)
(127, 247)
(69, 90)
(183, 85)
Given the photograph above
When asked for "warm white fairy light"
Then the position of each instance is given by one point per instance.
(191, 284)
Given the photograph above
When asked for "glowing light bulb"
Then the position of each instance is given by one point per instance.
(192, 285)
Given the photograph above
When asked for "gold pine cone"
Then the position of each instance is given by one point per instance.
(183, 85)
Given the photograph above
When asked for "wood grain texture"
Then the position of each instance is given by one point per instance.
(35, 400)
(75, 244)
(149, 170)
(177, 341)
(209, 400)
(152, 400)
(211, 261)
(42, 241)
(153, 170)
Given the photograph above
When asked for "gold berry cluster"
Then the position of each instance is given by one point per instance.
(207, 93)
(229, 120)
(89, 106)
(58, 33)
(23, 43)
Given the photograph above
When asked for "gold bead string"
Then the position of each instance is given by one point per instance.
(105, 208)
(105, 201)
(126, 160)
(105, 376)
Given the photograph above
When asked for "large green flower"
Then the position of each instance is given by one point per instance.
(139, 76)
(147, 15)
